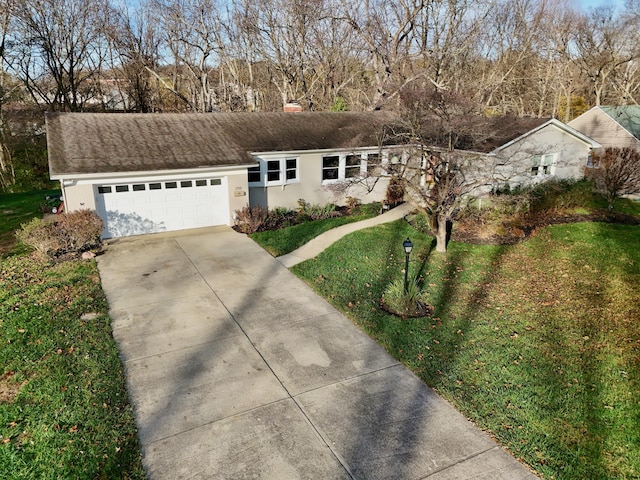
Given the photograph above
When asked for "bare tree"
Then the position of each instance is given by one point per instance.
(440, 171)
(281, 33)
(193, 34)
(7, 172)
(62, 50)
(135, 45)
(604, 42)
(386, 29)
(616, 172)
(447, 36)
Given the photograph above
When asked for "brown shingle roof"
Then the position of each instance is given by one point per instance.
(86, 143)
(81, 143)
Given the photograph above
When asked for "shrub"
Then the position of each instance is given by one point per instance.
(557, 195)
(319, 212)
(308, 211)
(408, 304)
(79, 231)
(279, 217)
(69, 233)
(352, 203)
(251, 219)
(38, 235)
(617, 173)
(395, 191)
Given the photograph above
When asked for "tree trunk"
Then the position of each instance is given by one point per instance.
(442, 234)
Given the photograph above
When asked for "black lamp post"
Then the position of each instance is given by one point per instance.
(408, 246)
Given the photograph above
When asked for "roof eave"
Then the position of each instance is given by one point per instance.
(557, 123)
(150, 173)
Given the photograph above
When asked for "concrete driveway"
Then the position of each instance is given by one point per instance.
(237, 370)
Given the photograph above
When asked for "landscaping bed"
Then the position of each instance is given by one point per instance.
(513, 230)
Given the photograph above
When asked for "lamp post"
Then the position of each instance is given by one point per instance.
(408, 246)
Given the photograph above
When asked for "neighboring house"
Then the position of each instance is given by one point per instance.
(550, 150)
(145, 173)
(611, 126)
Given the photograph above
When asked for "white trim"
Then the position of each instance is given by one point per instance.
(189, 172)
(263, 163)
(558, 124)
(318, 150)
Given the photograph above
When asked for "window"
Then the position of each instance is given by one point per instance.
(122, 188)
(138, 187)
(373, 164)
(186, 184)
(104, 190)
(330, 167)
(273, 171)
(170, 185)
(592, 161)
(155, 186)
(393, 162)
(291, 168)
(216, 181)
(278, 171)
(352, 166)
(542, 164)
(201, 183)
(254, 174)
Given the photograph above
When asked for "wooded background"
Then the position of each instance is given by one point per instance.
(542, 58)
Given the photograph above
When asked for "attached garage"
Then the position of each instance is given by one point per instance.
(148, 173)
(162, 205)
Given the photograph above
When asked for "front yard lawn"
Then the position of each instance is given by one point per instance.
(537, 342)
(64, 410)
(286, 240)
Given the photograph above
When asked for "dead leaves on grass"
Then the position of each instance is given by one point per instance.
(9, 389)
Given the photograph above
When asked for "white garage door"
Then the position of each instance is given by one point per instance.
(136, 208)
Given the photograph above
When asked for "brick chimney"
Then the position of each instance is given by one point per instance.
(292, 107)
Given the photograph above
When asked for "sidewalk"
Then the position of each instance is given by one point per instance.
(318, 244)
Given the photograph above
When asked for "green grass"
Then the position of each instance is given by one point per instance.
(537, 342)
(286, 240)
(16, 209)
(621, 205)
(64, 410)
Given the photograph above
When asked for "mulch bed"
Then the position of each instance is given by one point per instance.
(517, 230)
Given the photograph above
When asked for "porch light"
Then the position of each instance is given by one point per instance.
(408, 246)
